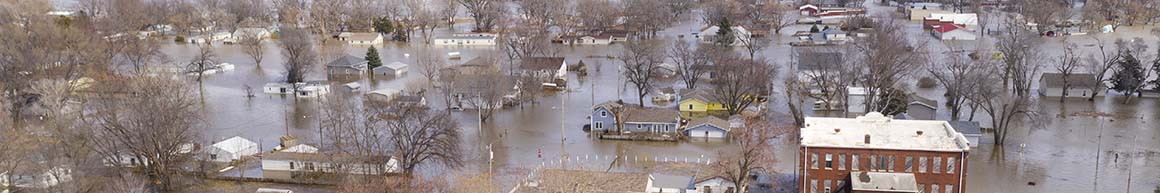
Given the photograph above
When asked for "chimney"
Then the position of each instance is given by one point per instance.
(867, 138)
(919, 132)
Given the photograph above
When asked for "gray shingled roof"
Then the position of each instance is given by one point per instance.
(541, 63)
(710, 120)
(346, 61)
(1076, 80)
(966, 127)
(699, 94)
(635, 113)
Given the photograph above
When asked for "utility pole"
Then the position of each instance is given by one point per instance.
(1099, 143)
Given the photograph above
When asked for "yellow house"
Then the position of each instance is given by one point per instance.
(698, 101)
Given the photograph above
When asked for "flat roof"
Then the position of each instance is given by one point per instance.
(883, 182)
(884, 133)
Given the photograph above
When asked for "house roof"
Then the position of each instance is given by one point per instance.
(885, 133)
(364, 36)
(470, 36)
(811, 59)
(672, 181)
(698, 94)
(301, 148)
(551, 179)
(541, 63)
(968, 19)
(346, 61)
(882, 181)
(833, 30)
(385, 92)
(235, 144)
(635, 113)
(1076, 80)
(711, 121)
(946, 28)
(919, 100)
(967, 127)
(608, 105)
(396, 65)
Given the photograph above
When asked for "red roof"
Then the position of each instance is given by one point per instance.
(946, 28)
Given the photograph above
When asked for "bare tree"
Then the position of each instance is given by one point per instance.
(884, 59)
(647, 16)
(140, 52)
(448, 11)
(795, 94)
(430, 63)
(752, 154)
(692, 63)
(597, 14)
(252, 45)
(1066, 65)
(959, 75)
(156, 126)
(484, 12)
(486, 91)
(298, 53)
(203, 61)
(1101, 64)
(829, 71)
(1044, 13)
(753, 45)
(421, 136)
(641, 61)
(781, 16)
(1019, 47)
(739, 83)
(1003, 108)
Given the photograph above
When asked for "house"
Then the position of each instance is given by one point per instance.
(834, 150)
(969, 129)
(811, 61)
(953, 32)
(665, 94)
(352, 86)
(828, 36)
(965, 20)
(383, 95)
(548, 69)
(921, 108)
(697, 101)
(284, 165)
(272, 190)
(875, 182)
(636, 119)
(300, 148)
(361, 38)
(834, 34)
(708, 127)
(234, 148)
(1079, 85)
(714, 184)
(740, 35)
(663, 183)
(347, 64)
(308, 89)
(839, 14)
(473, 78)
(411, 100)
(553, 180)
(586, 40)
(254, 32)
(472, 39)
(35, 179)
(808, 10)
(393, 69)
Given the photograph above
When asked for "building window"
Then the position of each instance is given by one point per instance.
(291, 165)
(829, 161)
(827, 185)
(922, 164)
(909, 164)
(934, 188)
(882, 161)
(922, 188)
(603, 113)
(690, 106)
(813, 186)
(950, 165)
(854, 162)
(890, 164)
(936, 167)
(841, 161)
(814, 160)
(950, 188)
(873, 162)
(599, 125)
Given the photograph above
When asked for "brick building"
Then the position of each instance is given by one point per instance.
(833, 149)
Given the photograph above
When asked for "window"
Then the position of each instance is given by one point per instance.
(890, 164)
(882, 161)
(909, 164)
(827, 185)
(599, 125)
(841, 161)
(291, 165)
(934, 188)
(813, 186)
(949, 188)
(854, 162)
(814, 160)
(829, 161)
(690, 106)
(603, 113)
(873, 162)
(922, 188)
(936, 167)
(921, 164)
(950, 165)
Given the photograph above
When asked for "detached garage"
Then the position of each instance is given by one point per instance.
(707, 127)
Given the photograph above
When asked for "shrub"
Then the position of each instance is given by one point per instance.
(179, 39)
(927, 82)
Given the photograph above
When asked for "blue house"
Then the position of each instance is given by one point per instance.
(636, 119)
(707, 127)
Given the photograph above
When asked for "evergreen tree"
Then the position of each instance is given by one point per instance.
(372, 58)
(383, 25)
(814, 29)
(1128, 75)
(725, 35)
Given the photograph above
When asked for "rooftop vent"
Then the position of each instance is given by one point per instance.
(837, 130)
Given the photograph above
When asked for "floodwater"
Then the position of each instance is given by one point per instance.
(1064, 149)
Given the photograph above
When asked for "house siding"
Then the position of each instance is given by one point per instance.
(608, 122)
(651, 127)
(699, 131)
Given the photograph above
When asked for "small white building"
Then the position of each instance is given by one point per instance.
(473, 39)
(272, 190)
(1079, 85)
(967, 20)
(300, 148)
(740, 35)
(392, 69)
(306, 89)
(707, 127)
(255, 32)
(662, 183)
(361, 38)
(292, 165)
(383, 95)
(232, 149)
(953, 32)
(716, 184)
(587, 40)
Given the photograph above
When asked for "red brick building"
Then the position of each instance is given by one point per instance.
(834, 148)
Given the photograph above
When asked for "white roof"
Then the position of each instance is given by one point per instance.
(884, 132)
(969, 19)
(883, 182)
(301, 148)
(396, 65)
(235, 144)
(386, 92)
(712, 30)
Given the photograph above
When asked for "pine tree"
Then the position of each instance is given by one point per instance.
(372, 58)
(383, 25)
(1128, 75)
(814, 29)
(725, 35)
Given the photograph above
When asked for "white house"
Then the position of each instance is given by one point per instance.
(709, 35)
(300, 148)
(662, 183)
(549, 69)
(707, 127)
(383, 95)
(473, 39)
(293, 165)
(716, 184)
(256, 32)
(967, 20)
(1079, 85)
(953, 32)
(587, 40)
(305, 89)
(361, 38)
(393, 69)
(232, 149)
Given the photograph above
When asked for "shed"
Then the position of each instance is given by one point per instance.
(352, 87)
(669, 183)
(1079, 85)
(383, 95)
(394, 68)
(953, 32)
(714, 184)
(969, 129)
(232, 149)
(921, 108)
(707, 127)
